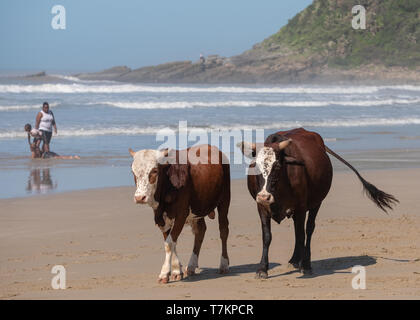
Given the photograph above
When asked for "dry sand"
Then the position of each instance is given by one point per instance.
(111, 248)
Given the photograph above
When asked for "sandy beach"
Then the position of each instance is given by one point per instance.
(112, 250)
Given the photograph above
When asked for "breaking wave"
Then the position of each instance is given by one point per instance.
(24, 107)
(72, 132)
(226, 104)
(126, 88)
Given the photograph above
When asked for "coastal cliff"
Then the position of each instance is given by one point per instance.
(317, 45)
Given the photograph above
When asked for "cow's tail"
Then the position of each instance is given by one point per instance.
(382, 199)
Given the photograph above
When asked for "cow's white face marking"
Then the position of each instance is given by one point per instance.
(265, 160)
(143, 163)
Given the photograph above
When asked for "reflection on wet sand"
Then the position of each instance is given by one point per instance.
(40, 181)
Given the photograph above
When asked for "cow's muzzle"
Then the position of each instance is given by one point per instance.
(140, 199)
(265, 198)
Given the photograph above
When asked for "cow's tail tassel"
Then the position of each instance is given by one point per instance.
(382, 199)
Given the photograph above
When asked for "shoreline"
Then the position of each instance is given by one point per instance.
(112, 250)
(27, 179)
(237, 179)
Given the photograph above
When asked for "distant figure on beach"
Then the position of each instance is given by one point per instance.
(36, 152)
(202, 61)
(45, 122)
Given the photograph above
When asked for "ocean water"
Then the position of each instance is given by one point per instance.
(375, 127)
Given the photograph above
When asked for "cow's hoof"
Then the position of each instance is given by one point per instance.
(177, 277)
(261, 274)
(191, 271)
(223, 270)
(307, 271)
(164, 280)
(293, 265)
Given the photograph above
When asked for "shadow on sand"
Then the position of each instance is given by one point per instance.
(320, 268)
(234, 271)
(331, 266)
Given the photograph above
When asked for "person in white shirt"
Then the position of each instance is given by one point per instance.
(45, 122)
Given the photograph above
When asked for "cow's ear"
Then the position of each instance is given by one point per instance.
(131, 152)
(178, 175)
(165, 156)
(248, 149)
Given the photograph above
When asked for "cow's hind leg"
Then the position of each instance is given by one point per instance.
(223, 209)
(262, 272)
(310, 227)
(299, 224)
(199, 229)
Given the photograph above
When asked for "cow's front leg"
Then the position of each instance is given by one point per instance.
(166, 267)
(171, 258)
(262, 272)
(176, 272)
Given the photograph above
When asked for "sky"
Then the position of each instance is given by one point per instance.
(104, 33)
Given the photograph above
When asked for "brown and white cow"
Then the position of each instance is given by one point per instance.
(184, 186)
(292, 175)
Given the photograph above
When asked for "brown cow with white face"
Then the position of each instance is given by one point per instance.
(181, 190)
(292, 175)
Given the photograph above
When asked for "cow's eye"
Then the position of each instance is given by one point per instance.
(153, 175)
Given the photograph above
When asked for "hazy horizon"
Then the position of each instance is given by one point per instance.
(102, 34)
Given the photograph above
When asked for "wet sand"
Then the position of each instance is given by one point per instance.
(112, 250)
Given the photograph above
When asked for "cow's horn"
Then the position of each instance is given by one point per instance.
(131, 152)
(284, 144)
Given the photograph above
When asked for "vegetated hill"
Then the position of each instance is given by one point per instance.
(318, 44)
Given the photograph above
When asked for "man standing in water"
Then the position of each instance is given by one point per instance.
(44, 123)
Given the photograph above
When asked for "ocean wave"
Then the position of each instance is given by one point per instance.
(322, 124)
(80, 132)
(407, 87)
(223, 104)
(75, 79)
(22, 107)
(126, 88)
(227, 104)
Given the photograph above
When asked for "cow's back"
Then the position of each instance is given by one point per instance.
(209, 181)
(313, 180)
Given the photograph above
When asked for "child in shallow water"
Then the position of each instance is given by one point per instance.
(34, 146)
(36, 134)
